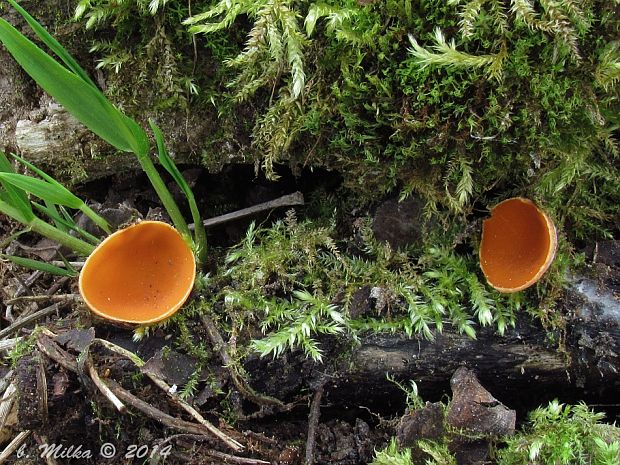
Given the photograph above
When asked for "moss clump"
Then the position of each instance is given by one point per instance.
(463, 102)
(298, 280)
(561, 435)
(460, 101)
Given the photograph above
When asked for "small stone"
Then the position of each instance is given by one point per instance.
(399, 223)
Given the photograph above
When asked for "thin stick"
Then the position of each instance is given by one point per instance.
(104, 389)
(290, 200)
(230, 442)
(137, 361)
(6, 380)
(222, 348)
(153, 412)
(46, 298)
(13, 446)
(313, 423)
(226, 458)
(19, 324)
(42, 387)
(234, 445)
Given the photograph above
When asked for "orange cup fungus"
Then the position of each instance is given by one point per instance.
(518, 245)
(140, 274)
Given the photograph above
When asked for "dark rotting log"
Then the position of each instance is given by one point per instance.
(524, 368)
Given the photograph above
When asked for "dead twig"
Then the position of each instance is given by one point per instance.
(19, 324)
(77, 265)
(13, 446)
(6, 381)
(245, 390)
(51, 349)
(104, 389)
(59, 298)
(313, 422)
(154, 413)
(226, 458)
(230, 442)
(289, 200)
(42, 393)
(7, 404)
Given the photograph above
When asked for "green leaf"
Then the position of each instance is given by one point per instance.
(53, 44)
(54, 193)
(65, 222)
(40, 266)
(169, 165)
(80, 98)
(15, 197)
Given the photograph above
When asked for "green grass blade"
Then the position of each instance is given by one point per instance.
(40, 266)
(14, 196)
(81, 99)
(66, 222)
(56, 216)
(55, 193)
(52, 191)
(166, 161)
(53, 44)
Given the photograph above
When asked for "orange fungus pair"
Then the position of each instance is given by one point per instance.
(140, 274)
(518, 245)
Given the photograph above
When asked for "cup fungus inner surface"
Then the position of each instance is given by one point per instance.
(139, 274)
(518, 243)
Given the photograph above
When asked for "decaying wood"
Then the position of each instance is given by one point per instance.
(19, 324)
(117, 394)
(6, 404)
(154, 413)
(585, 355)
(231, 443)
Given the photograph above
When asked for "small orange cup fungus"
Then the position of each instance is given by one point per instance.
(518, 245)
(140, 274)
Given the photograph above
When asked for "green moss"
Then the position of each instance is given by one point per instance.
(563, 434)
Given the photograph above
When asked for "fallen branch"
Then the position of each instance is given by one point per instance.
(290, 200)
(55, 353)
(154, 413)
(234, 445)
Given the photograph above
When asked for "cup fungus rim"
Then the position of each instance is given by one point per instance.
(553, 245)
(171, 311)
